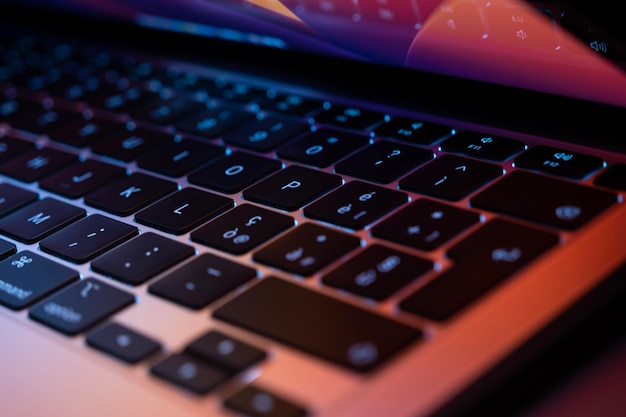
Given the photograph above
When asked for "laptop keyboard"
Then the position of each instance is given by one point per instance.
(212, 193)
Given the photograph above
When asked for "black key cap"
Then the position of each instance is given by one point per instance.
(235, 91)
(87, 238)
(128, 194)
(183, 210)
(11, 146)
(292, 187)
(225, 352)
(412, 131)
(12, 198)
(545, 200)
(256, 402)
(265, 134)
(307, 249)
(141, 258)
(14, 109)
(80, 306)
(323, 326)
(189, 373)
(480, 145)
(355, 204)
(425, 224)
(80, 132)
(450, 177)
(80, 178)
(481, 261)
(26, 277)
(175, 159)
(242, 229)
(39, 219)
(201, 281)
(322, 147)
(210, 123)
(6, 249)
(614, 177)
(35, 164)
(377, 272)
(384, 161)
(42, 120)
(348, 117)
(232, 173)
(129, 144)
(287, 103)
(164, 112)
(122, 342)
(559, 162)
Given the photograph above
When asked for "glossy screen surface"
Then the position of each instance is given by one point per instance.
(511, 42)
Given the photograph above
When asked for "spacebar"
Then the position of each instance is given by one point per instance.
(349, 336)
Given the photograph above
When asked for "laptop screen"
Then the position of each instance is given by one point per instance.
(512, 42)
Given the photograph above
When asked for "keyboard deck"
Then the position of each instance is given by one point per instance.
(283, 214)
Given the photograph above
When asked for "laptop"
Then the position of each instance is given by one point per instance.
(299, 207)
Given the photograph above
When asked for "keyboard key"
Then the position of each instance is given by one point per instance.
(12, 198)
(235, 91)
(234, 172)
(189, 373)
(242, 229)
(355, 204)
(80, 132)
(481, 261)
(384, 161)
(183, 210)
(559, 162)
(35, 164)
(307, 249)
(377, 272)
(450, 177)
(613, 177)
(130, 144)
(6, 249)
(130, 193)
(322, 147)
(41, 120)
(287, 103)
(26, 277)
(412, 131)
(348, 117)
(80, 178)
(483, 146)
(265, 134)
(11, 146)
(122, 342)
(546, 200)
(80, 306)
(201, 281)
(164, 112)
(292, 187)
(141, 258)
(256, 402)
(425, 224)
(326, 327)
(87, 238)
(175, 159)
(210, 123)
(39, 219)
(225, 352)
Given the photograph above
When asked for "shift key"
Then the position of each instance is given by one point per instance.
(339, 332)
